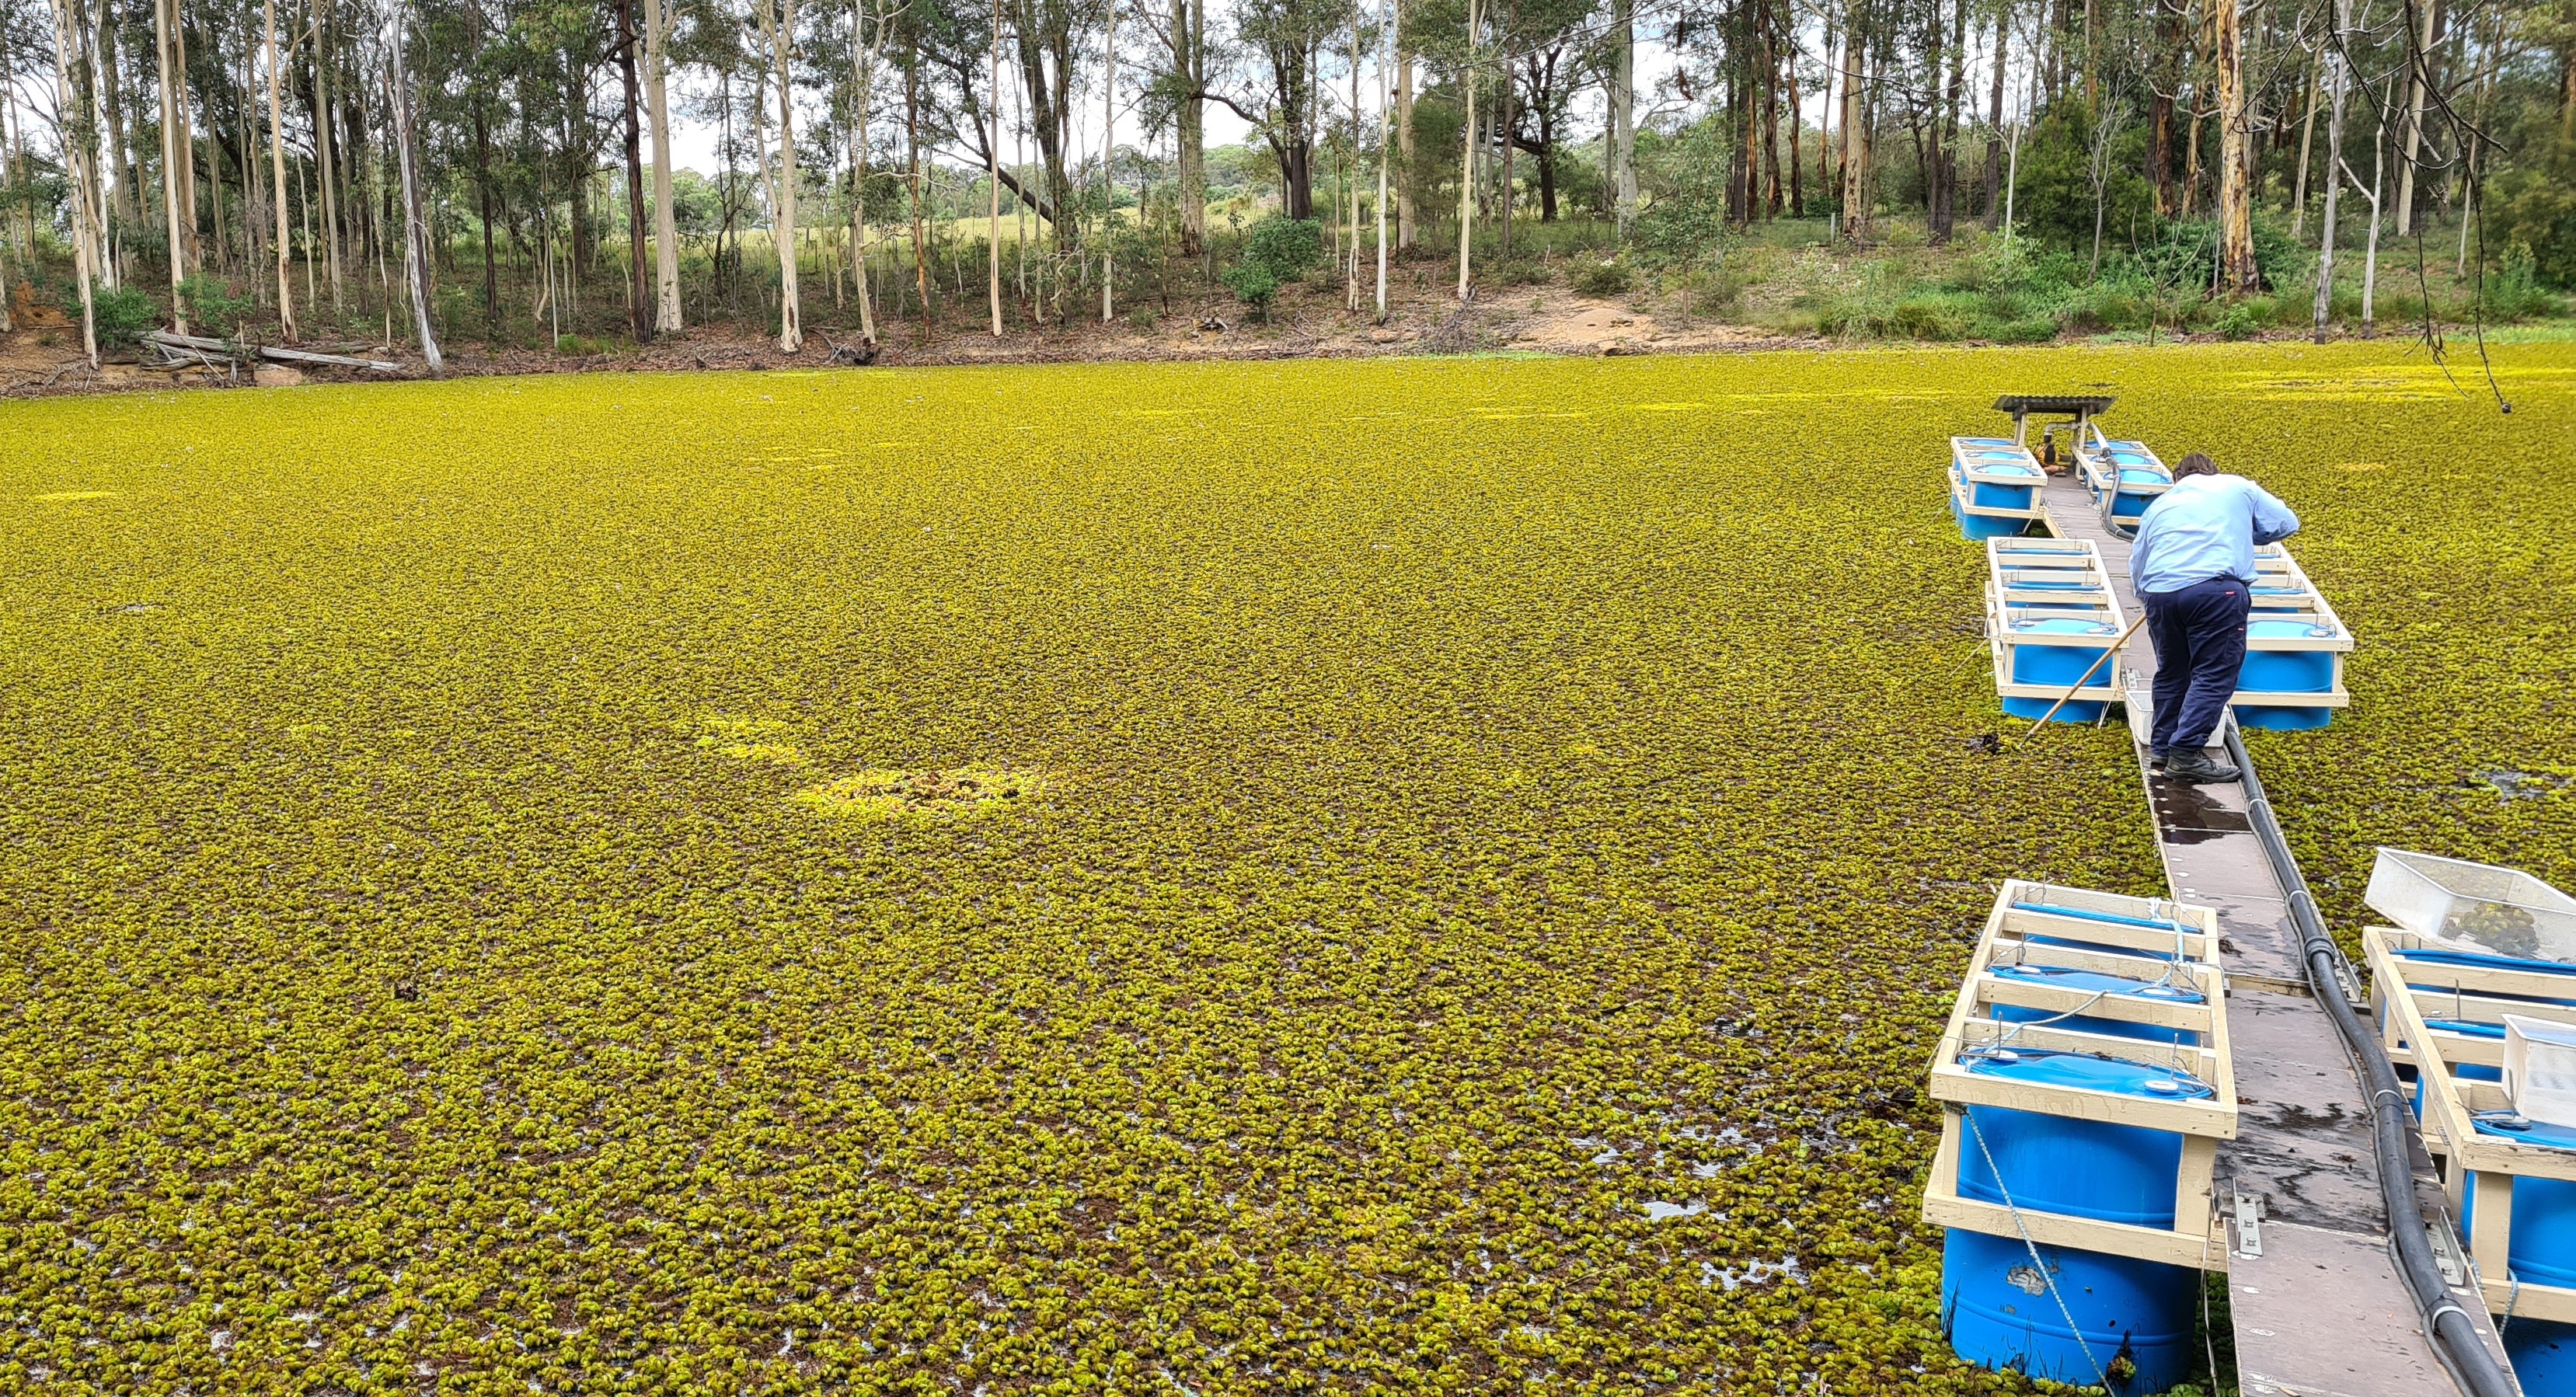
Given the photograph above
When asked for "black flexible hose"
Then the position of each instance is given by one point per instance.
(2455, 1334)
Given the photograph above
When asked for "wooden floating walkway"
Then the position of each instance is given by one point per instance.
(2320, 1309)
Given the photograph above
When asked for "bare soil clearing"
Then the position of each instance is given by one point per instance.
(43, 356)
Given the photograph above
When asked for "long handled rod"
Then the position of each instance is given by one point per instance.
(2104, 658)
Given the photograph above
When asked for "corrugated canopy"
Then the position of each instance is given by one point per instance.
(2022, 405)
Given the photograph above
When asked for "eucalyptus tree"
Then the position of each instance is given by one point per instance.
(1282, 43)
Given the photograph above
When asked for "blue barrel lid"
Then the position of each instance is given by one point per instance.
(2003, 468)
(2143, 476)
(2467, 1029)
(2522, 1130)
(2096, 982)
(2435, 955)
(2090, 915)
(2277, 629)
(2065, 625)
(2088, 1071)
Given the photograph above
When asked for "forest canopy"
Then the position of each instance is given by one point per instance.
(506, 169)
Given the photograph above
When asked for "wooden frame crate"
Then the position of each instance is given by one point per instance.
(2018, 915)
(2471, 1163)
(2197, 1238)
(1971, 464)
(2102, 477)
(2282, 592)
(2030, 580)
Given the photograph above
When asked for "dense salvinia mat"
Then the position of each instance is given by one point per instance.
(1412, 876)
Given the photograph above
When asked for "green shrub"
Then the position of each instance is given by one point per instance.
(2243, 320)
(1286, 246)
(120, 313)
(2038, 329)
(2186, 255)
(1275, 252)
(213, 309)
(1252, 284)
(1930, 318)
(2515, 292)
(1601, 278)
(2105, 305)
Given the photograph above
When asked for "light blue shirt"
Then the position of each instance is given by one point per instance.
(2205, 527)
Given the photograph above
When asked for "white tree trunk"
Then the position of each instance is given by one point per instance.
(324, 163)
(1623, 114)
(666, 229)
(1408, 222)
(2334, 173)
(2415, 93)
(993, 173)
(173, 145)
(1351, 258)
(81, 156)
(277, 181)
(1385, 138)
(779, 18)
(862, 54)
(2370, 248)
(1467, 165)
(415, 221)
(1108, 160)
(2307, 149)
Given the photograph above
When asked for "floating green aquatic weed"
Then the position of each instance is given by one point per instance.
(1458, 835)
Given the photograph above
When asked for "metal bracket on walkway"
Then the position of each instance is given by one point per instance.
(2248, 1212)
(2446, 1254)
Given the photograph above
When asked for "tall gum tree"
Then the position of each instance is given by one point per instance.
(2237, 270)
(778, 26)
(667, 314)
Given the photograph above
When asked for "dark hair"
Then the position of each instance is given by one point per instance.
(2197, 463)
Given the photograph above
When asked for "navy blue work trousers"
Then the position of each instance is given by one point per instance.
(2199, 634)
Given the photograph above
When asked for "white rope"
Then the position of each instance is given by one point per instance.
(2037, 1262)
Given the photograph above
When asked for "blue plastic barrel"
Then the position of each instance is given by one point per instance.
(2132, 501)
(2540, 1247)
(2466, 1071)
(2002, 1311)
(2096, 982)
(2543, 1354)
(1989, 494)
(2284, 672)
(2059, 666)
(1977, 528)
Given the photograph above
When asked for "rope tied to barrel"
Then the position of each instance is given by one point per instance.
(2037, 1262)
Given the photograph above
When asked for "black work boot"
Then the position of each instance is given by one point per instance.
(2156, 760)
(2193, 766)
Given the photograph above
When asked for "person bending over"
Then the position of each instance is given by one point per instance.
(2193, 566)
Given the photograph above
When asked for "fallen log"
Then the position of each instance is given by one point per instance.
(205, 346)
(300, 356)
